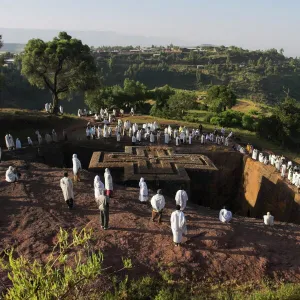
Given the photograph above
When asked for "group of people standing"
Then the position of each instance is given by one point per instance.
(49, 108)
(285, 167)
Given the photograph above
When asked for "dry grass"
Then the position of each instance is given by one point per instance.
(246, 105)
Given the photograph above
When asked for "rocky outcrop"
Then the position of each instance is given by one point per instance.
(264, 190)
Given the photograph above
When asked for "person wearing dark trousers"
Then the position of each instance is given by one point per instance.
(103, 204)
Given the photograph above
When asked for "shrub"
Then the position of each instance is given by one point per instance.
(228, 118)
(208, 117)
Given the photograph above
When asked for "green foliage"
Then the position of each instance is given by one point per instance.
(249, 122)
(132, 94)
(229, 118)
(220, 97)
(63, 65)
(66, 272)
(180, 102)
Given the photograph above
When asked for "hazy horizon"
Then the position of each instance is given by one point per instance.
(251, 25)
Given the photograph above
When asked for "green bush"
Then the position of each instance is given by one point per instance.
(228, 118)
(208, 117)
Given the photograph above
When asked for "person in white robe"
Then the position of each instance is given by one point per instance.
(254, 154)
(178, 225)
(143, 195)
(61, 109)
(46, 107)
(268, 219)
(108, 183)
(133, 140)
(48, 138)
(109, 131)
(18, 144)
(40, 139)
(226, 142)
(76, 167)
(9, 141)
(105, 131)
(167, 138)
(289, 165)
(98, 187)
(225, 215)
(190, 139)
(283, 170)
(177, 140)
(277, 164)
(11, 175)
(29, 141)
(290, 175)
(118, 137)
(132, 111)
(54, 136)
(66, 185)
(295, 176)
(181, 198)
(158, 203)
(261, 157)
(152, 139)
(79, 113)
(139, 136)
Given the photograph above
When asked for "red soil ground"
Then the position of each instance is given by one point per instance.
(33, 210)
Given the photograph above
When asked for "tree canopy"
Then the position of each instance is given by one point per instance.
(133, 94)
(63, 65)
(220, 97)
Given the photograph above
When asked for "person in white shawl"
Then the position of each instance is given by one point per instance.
(181, 198)
(268, 219)
(40, 139)
(9, 141)
(98, 187)
(261, 157)
(66, 185)
(54, 136)
(48, 138)
(158, 204)
(143, 196)
(225, 215)
(76, 167)
(18, 144)
(254, 154)
(283, 170)
(29, 141)
(61, 109)
(167, 138)
(11, 175)
(290, 175)
(151, 137)
(108, 183)
(178, 225)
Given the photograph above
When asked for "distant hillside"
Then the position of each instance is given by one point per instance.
(12, 47)
(92, 38)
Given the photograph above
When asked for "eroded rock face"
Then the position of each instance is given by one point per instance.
(264, 190)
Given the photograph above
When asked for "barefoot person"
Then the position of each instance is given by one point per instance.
(12, 175)
(181, 198)
(67, 189)
(108, 183)
(158, 203)
(225, 215)
(143, 197)
(178, 225)
(76, 167)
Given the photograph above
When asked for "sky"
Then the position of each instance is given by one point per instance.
(253, 24)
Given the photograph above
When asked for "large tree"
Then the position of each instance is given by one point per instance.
(63, 65)
(220, 97)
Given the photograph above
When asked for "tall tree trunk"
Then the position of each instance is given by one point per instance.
(55, 101)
